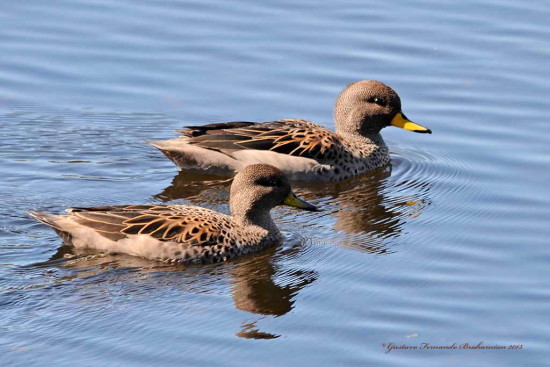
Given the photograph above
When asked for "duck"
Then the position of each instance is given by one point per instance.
(184, 234)
(303, 150)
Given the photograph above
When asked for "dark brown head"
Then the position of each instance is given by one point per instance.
(260, 187)
(368, 106)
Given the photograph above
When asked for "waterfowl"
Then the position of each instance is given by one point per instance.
(181, 233)
(304, 150)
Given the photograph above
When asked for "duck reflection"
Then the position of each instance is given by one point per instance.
(252, 278)
(255, 290)
(371, 210)
(197, 188)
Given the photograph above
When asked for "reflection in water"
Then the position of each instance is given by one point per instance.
(371, 208)
(252, 279)
(250, 331)
(196, 188)
(255, 291)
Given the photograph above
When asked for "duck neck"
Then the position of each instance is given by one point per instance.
(361, 138)
(259, 217)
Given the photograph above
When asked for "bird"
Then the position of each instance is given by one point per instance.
(304, 150)
(181, 233)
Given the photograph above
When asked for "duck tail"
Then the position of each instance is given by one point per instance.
(51, 220)
(46, 218)
(194, 158)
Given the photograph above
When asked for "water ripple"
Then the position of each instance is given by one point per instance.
(446, 243)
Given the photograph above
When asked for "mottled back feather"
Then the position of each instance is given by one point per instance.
(293, 137)
(184, 224)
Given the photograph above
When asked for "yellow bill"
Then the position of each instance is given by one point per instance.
(293, 200)
(403, 122)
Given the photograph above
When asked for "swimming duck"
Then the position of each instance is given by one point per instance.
(304, 150)
(181, 233)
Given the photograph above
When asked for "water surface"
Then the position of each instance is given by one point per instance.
(448, 244)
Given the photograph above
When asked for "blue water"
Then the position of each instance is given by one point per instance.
(448, 244)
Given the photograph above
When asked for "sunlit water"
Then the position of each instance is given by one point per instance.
(448, 244)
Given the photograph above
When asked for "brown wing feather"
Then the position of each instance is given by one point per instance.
(294, 137)
(185, 224)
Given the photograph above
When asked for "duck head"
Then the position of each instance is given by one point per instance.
(366, 107)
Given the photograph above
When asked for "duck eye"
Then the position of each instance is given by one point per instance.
(271, 182)
(379, 101)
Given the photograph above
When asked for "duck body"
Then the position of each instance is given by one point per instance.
(180, 233)
(303, 150)
(173, 233)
